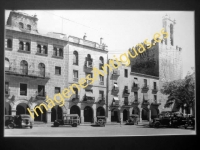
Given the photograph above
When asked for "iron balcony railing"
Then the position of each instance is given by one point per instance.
(75, 98)
(155, 89)
(101, 100)
(145, 87)
(135, 87)
(26, 72)
(126, 92)
(116, 72)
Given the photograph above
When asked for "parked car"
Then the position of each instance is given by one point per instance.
(178, 119)
(16, 122)
(133, 119)
(168, 119)
(163, 119)
(68, 119)
(190, 122)
(101, 121)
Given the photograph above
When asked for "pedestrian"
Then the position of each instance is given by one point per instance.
(20, 121)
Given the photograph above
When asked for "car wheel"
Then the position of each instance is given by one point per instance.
(157, 124)
(186, 126)
(74, 125)
(31, 127)
(10, 126)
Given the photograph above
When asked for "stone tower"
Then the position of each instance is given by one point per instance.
(169, 26)
(23, 22)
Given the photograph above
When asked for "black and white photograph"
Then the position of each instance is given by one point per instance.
(99, 73)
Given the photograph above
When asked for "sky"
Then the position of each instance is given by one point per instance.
(119, 29)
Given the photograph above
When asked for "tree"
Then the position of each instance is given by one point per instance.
(181, 92)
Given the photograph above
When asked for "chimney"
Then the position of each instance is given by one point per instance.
(84, 37)
(101, 41)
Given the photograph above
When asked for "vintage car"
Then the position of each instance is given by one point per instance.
(168, 119)
(14, 121)
(163, 119)
(68, 119)
(101, 121)
(178, 119)
(133, 119)
(190, 122)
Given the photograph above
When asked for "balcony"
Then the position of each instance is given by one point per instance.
(38, 97)
(136, 102)
(126, 92)
(155, 89)
(88, 82)
(115, 89)
(126, 104)
(145, 102)
(75, 98)
(101, 100)
(101, 83)
(116, 72)
(156, 103)
(89, 65)
(135, 87)
(88, 98)
(27, 73)
(145, 88)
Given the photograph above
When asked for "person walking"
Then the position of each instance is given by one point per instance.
(20, 121)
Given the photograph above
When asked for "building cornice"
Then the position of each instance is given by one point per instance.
(144, 75)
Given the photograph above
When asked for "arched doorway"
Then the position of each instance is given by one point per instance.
(135, 111)
(53, 114)
(145, 114)
(154, 113)
(41, 116)
(125, 115)
(56, 113)
(59, 112)
(7, 109)
(88, 114)
(114, 115)
(100, 111)
(22, 109)
(75, 110)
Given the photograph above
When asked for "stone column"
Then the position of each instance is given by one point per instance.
(149, 115)
(32, 113)
(190, 110)
(13, 112)
(130, 111)
(109, 116)
(42, 50)
(140, 114)
(24, 47)
(57, 51)
(121, 116)
(6, 43)
(48, 116)
(82, 116)
(94, 116)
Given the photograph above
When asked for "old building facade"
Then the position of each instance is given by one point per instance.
(37, 66)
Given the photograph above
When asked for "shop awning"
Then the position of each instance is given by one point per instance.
(89, 94)
(115, 98)
(135, 81)
(115, 85)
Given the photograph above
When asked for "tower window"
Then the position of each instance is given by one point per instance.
(21, 25)
(28, 27)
